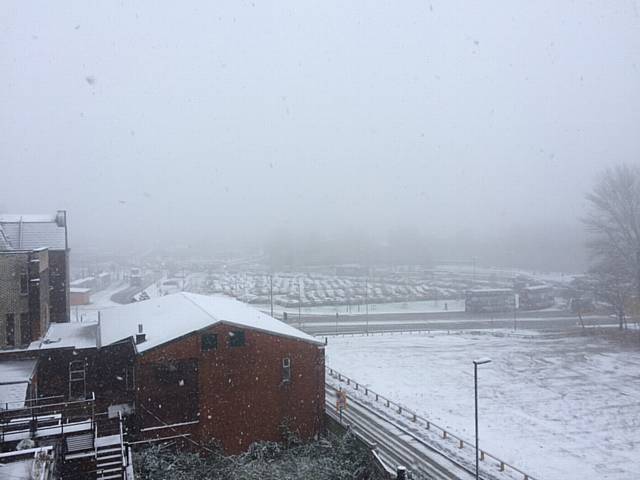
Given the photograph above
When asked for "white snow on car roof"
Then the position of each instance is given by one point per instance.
(172, 316)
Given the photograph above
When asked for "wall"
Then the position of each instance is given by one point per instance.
(239, 397)
(30, 309)
(59, 282)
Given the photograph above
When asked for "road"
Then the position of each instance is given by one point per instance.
(376, 323)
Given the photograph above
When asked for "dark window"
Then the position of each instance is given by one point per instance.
(209, 342)
(25, 329)
(286, 370)
(129, 378)
(236, 339)
(167, 373)
(11, 330)
(24, 284)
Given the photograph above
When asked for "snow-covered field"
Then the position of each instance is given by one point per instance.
(557, 406)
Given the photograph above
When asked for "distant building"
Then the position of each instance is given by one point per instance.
(33, 232)
(536, 297)
(79, 296)
(490, 300)
(135, 279)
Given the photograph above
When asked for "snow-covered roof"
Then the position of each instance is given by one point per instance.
(172, 316)
(490, 290)
(26, 218)
(28, 232)
(537, 287)
(15, 376)
(79, 290)
(76, 335)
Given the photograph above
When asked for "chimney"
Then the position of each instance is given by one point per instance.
(140, 336)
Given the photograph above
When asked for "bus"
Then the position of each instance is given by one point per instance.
(490, 300)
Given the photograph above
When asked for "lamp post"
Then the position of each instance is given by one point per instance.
(481, 361)
(271, 292)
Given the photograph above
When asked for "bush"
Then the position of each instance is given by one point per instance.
(335, 459)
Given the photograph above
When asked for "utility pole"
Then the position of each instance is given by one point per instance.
(366, 302)
(299, 301)
(271, 292)
(482, 361)
(474, 272)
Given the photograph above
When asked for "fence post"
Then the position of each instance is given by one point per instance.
(461, 444)
(444, 434)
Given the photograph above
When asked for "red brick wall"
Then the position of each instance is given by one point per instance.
(240, 395)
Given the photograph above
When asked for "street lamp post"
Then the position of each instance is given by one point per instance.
(481, 361)
(271, 292)
(299, 301)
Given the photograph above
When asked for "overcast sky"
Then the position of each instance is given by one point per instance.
(231, 120)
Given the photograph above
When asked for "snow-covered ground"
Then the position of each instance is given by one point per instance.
(557, 406)
(100, 300)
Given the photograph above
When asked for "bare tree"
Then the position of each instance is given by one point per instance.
(613, 222)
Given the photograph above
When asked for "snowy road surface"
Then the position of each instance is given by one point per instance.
(556, 405)
(397, 446)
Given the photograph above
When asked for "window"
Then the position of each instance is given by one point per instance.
(209, 341)
(11, 330)
(25, 329)
(286, 370)
(24, 284)
(236, 339)
(129, 376)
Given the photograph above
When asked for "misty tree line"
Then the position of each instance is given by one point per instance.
(613, 224)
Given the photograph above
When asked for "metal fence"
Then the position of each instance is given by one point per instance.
(443, 432)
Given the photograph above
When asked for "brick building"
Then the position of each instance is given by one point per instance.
(211, 368)
(33, 232)
(24, 296)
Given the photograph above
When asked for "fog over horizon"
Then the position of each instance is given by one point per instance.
(455, 129)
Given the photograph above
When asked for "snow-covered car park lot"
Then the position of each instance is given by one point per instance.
(561, 405)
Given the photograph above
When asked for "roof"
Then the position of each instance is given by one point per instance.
(166, 318)
(490, 290)
(15, 376)
(30, 232)
(538, 287)
(76, 335)
(79, 290)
